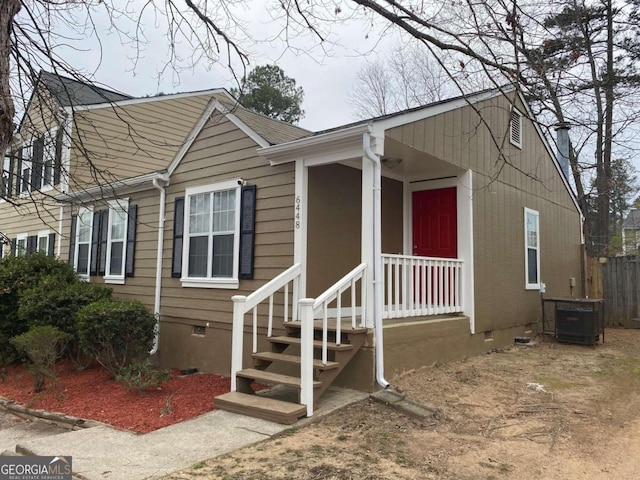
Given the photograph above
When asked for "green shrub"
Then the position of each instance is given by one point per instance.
(141, 375)
(43, 346)
(55, 302)
(116, 333)
(18, 274)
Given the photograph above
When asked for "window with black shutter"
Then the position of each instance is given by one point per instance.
(247, 231)
(216, 218)
(57, 164)
(37, 164)
(132, 221)
(178, 235)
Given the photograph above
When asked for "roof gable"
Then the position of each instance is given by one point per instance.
(70, 92)
(263, 130)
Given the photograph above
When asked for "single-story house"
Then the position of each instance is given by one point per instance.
(344, 256)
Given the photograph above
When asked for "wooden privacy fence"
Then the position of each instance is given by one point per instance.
(617, 280)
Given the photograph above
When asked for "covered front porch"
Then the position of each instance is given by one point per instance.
(382, 233)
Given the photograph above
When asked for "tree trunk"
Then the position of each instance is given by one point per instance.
(8, 10)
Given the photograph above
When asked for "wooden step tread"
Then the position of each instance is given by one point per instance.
(294, 359)
(261, 407)
(270, 377)
(316, 343)
(317, 324)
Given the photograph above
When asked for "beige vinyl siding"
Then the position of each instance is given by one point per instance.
(29, 217)
(142, 285)
(131, 140)
(43, 114)
(223, 152)
(503, 187)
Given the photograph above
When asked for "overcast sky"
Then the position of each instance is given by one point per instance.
(326, 74)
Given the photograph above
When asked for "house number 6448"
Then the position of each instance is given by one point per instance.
(297, 213)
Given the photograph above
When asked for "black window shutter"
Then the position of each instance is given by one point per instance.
(32, 244)
(12, 164)
(131, 241)
(57, 163)
(18, 175)
(247, 231)
(72, 239)
(95, 244)
(14, 247)
(104, 233)
(178, 233)
(52, 245)
(37, 164)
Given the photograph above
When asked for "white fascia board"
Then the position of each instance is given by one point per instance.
(202, 121)
(430, 111)
(195, 131)
(308, 146)
(133, 184)
(552, 154)
(156, 98)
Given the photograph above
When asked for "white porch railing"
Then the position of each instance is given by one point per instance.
(415, 286)
(242, 305)
(308, 309)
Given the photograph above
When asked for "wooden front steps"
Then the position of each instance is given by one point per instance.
(285, 355)
(261, 407)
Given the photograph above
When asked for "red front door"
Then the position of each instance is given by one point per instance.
(435, 223)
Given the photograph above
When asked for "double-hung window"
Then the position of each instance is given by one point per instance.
(532, 248)
(116, 241)
(21, 245)
(25, 170)
(5, 185)
(212, 236)
(83, 241)
(49, 158)
(43, 242)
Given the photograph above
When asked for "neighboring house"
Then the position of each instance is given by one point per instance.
(429, 232)
(631, 233)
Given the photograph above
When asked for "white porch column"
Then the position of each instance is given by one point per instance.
(465, 244)
(300, 203)
(367, 238)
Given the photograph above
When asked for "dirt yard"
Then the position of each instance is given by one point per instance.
(546, 411)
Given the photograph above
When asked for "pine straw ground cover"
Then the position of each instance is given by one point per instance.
(91, 394)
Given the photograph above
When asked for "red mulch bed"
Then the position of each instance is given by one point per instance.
(92, 395)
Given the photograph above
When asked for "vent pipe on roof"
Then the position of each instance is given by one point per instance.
(563, 145)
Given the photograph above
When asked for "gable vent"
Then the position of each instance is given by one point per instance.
(515, 128)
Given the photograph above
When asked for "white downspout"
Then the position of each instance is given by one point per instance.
(377, 258)
(156, 303)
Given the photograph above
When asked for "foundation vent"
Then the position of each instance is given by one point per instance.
(198, 330)
(488, 336)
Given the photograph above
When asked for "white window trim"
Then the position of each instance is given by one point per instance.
(6, 163)
(521, 120)
(43, 234)
(531, 286)
(84, 276)
(51, 134)
(21, 236)
(226, 283)
(113, 205)
(26, 163)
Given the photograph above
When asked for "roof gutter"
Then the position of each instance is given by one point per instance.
(377, 256)
(109, 190)
(290, 151)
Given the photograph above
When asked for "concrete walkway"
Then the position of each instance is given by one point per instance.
(102, 452)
